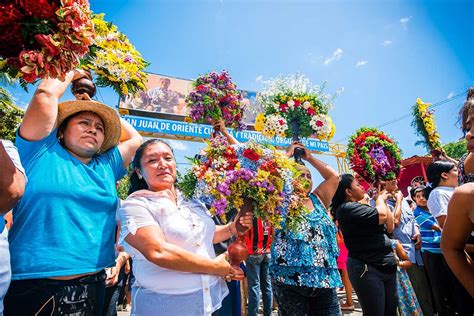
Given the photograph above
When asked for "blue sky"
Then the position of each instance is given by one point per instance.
(384, 54)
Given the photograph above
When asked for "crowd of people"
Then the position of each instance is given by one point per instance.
(72, 239)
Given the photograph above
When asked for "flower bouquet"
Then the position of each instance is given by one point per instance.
(42, 38)
(225, 176)
(425, 126)
(293, 108)
(215, 97)
(114, 60)
(373, 155)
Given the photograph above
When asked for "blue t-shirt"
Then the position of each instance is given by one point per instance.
(430, 238)
(65, 222)
(307, 257)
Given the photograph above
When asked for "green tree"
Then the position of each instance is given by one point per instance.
(10, 115)
(122, 189)
(456, 149)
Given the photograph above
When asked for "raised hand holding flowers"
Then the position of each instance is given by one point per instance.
(42, 39)
(294, 108)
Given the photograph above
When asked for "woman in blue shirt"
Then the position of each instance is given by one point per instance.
(303, 263)
(63, 232)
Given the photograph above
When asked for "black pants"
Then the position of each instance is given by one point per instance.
(306, 301)
(81, 296)
(376, 290)
(449, 294)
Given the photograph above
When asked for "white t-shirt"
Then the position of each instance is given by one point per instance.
(186, 225)
(439, 199)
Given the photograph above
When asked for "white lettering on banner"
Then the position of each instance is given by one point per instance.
(180, 128)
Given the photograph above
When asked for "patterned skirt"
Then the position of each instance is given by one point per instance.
(407, 302)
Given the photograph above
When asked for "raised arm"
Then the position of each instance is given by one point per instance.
(456, 231)
(397, 213)
(385, 215)
(230, 139)
(326, 189)
(40, 117)
(130, 140)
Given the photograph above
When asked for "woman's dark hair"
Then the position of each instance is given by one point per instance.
(434, 172)
(135, 182)
(467, 107)
(345, 182)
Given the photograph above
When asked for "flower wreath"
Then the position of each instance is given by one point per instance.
(373, 155)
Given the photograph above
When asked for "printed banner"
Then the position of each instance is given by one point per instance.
(204, 131)
(168, 95)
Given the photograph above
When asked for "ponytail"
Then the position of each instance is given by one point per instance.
(345, 182)
(434, 172)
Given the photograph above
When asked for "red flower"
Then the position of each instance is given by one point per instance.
(311, 111)
(269, 166)
(282, 122)
(319, 123)
(251, 154)
(43, 9)
(284, 107)
(52, 47)
(297, 103)
(200, 87)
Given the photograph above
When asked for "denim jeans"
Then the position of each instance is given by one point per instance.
(231, 305)
(376, 290)
(306, 301)
(5, 272)
(258, 278)
(83, 296)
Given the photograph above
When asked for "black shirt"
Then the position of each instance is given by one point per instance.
(365, 238)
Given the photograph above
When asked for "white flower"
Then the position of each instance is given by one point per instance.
(320, 124)
(306, 105)
(275, 125)
(291, 104)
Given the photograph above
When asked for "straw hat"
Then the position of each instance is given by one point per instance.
(109, 116)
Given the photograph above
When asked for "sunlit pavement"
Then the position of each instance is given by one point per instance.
(341, 295)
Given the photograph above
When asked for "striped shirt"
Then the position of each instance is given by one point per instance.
(430, 238)
(259, 238)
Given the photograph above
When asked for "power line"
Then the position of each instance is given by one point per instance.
(405, 116)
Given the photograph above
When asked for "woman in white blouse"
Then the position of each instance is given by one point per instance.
(170, 239)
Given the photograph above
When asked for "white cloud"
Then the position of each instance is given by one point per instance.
(340, 91)
(404, 21)
(361, 63)
(450, 95)
(259, 78)
(312, 59)
(387, 43)
(177, 145)
(335, 57)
